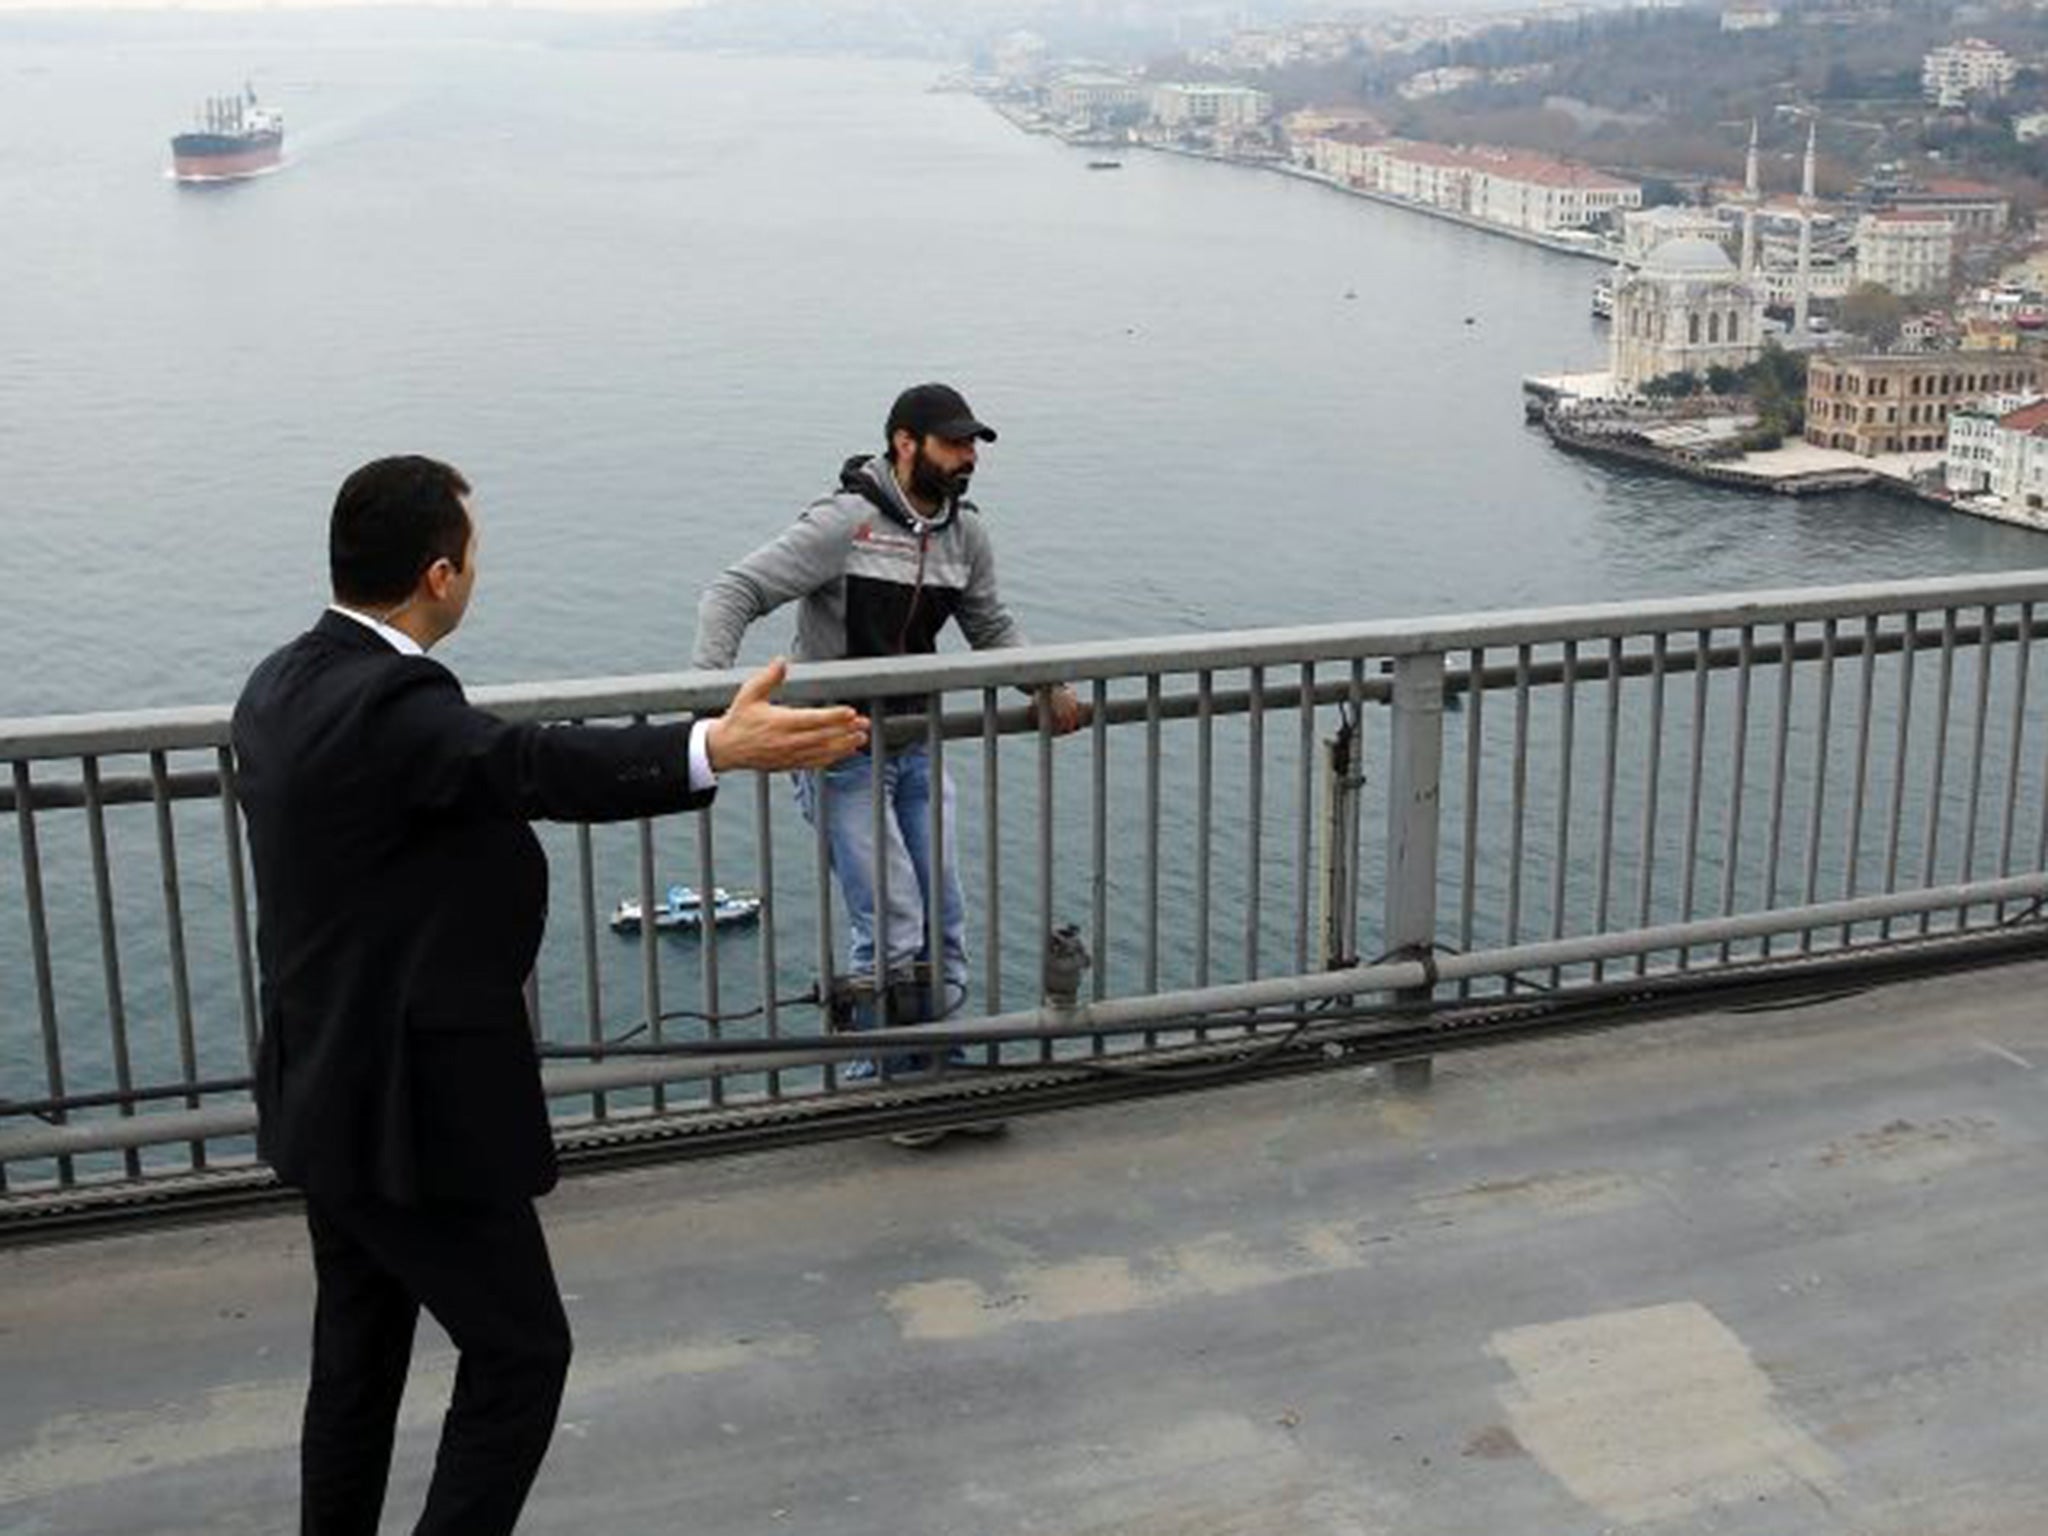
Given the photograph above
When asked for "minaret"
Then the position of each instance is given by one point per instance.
(1750, 193)
(1800, 294)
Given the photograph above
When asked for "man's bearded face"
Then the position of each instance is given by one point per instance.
(933, 482)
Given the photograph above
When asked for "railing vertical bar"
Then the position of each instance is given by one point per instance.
(1986, 639)
(1701, 679)
(1152, 816)
(764, 856)
(1816, 813)
(1567, 740)
(1205, 818)
(593, 985)
(1610, 751)
(820, 789)
(1902, 758)
(1780, 748)
(110, 952)
(1468, 879)
(939, 1001)
(878, 889)
(1356, 701)
(1653, 768)
(1254, 821)
(39, 950)
(991, 854)
(1731, 845)
(1305, 780)
(238, 905)
(174, 934)
(650, 951)
(707, 941)
(1865, 700)
(1930, 842)
(2016, 734)
(1098, 843)
(1045, 842)
(1518, 801)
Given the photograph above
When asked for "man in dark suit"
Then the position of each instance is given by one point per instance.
(400, 900)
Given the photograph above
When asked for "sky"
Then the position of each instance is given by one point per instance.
(89, 7)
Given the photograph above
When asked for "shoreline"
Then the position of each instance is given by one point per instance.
(1562, 245)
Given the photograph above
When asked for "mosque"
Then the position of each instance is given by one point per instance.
(1686, 306)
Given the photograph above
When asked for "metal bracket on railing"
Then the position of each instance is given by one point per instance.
(1066, 957)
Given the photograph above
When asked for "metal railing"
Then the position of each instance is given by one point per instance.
(1251, 826)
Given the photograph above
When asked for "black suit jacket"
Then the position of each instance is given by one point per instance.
(400, 898)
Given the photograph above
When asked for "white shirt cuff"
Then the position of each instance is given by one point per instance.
(701, 774)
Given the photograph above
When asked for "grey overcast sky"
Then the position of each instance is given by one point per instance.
(88, 7)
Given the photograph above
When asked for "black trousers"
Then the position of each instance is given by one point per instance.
(482, 1271)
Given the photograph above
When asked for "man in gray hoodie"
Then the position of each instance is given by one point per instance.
(878, 567)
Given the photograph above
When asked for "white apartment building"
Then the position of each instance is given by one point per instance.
(1950, 75)
(2000, 448)
(1909, 251)
(1210, 106)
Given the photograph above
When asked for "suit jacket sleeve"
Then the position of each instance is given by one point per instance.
(449, 754)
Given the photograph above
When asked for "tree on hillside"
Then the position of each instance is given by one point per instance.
(1873, 310)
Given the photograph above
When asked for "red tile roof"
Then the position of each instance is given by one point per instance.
(2028, 418)
(1954, 187)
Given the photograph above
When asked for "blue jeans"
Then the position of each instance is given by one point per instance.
(906, 850)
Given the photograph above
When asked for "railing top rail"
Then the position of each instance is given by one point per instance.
(202, 726)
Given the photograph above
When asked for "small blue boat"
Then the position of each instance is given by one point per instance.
(683, 908)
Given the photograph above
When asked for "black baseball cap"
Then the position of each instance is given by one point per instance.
(936, 410)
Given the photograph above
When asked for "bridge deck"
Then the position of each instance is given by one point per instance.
(1778, 1273)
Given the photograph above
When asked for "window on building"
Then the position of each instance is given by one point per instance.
(1692, 330)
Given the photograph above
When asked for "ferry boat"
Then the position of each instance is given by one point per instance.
(1603, 299)
(683, 908)
(1105, 165)
(234, 138)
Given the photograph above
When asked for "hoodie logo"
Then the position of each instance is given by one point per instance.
(863, 533)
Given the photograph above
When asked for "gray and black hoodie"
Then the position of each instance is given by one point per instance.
(875, 578)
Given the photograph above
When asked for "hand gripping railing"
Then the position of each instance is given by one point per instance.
(1394, 815)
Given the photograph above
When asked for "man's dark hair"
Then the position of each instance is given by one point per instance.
(392, 519)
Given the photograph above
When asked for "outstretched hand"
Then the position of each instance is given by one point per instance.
(755, 732)
(1058, 706)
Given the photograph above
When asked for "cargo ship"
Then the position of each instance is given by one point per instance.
(234, 138)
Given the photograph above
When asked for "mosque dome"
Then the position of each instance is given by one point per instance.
(1689, 256)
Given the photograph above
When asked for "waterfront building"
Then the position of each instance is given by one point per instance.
(1688, 308)
(1209, 106)
(1952, 74)
(1511, 187)
(1534, 192)
(1909, 251)
(1999, 448)
(1340, 151)
(1902, 404)
(1091, 98)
